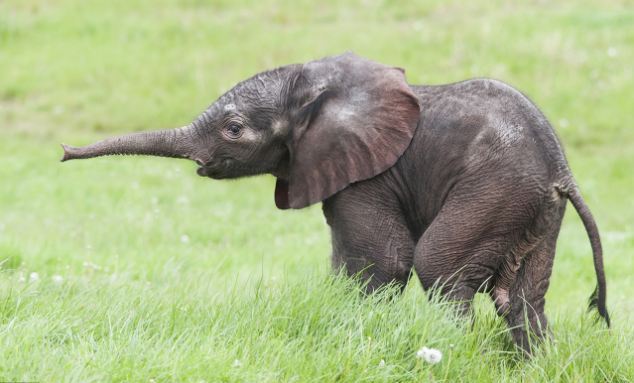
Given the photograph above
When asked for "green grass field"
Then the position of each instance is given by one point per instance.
(149, 273)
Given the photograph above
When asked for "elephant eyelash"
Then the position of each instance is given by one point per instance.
(234, 119)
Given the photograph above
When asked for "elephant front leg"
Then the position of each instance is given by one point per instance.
(369, 241)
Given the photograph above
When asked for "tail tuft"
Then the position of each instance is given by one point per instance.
(593, 303)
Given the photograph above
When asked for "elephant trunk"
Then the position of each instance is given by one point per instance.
(176, 143)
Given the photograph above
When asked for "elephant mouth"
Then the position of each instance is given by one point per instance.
(208, 171)
(225, 168)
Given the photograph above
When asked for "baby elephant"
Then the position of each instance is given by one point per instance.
(465, 183)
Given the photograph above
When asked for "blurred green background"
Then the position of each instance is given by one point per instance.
(124, 231)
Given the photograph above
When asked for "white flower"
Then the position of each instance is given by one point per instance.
(237, 363)
(429, 355)
(57, 279)
(185, 238)
(34, 277)
(382, 363)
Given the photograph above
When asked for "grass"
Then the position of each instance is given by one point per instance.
(170, 277)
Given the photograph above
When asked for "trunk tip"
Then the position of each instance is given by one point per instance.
(68, 152)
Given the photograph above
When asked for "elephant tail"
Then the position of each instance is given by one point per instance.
(598, 297)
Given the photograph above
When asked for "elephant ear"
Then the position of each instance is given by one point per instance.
(355, 119)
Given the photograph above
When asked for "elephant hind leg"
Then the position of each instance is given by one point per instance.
(506, 275)
(454, 256)
(479, 241)
(525, 313)
(455, 269)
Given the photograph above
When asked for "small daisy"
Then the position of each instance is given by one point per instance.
(429, 355)
(57, 279)
(237, 363)
(34, 277)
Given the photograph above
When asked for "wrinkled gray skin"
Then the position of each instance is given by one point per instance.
(464, 183)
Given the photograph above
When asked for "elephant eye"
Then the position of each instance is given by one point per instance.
(234, 131)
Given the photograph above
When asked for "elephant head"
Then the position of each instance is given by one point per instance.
(317, 127)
